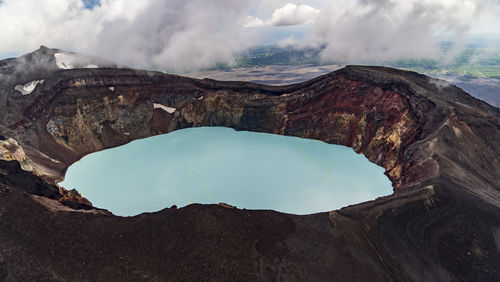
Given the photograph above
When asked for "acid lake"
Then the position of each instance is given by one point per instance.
(210, 165)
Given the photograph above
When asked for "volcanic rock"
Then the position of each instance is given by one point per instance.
(439, 146)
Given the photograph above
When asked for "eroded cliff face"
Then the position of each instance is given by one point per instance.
(439, 147)
(78, 112)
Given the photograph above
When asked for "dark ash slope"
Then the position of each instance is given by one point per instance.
(439, 146)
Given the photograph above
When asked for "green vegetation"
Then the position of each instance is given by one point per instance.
(273, 55)
(475, 61)
(472, 62)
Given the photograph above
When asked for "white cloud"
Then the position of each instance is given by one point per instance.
(376, 30)
(287, 42)
(292, 14)
(289, 14)
(175, 35)
(183, 35)
(252, 21)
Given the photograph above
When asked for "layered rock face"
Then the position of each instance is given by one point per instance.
(439, 146)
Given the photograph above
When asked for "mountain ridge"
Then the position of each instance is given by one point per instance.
(438, 145)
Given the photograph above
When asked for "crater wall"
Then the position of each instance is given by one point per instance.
(439, 146)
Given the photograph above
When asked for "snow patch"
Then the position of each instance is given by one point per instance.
(29, 87)
(169, 110)
(67, 60)
(112, 88)
(64, 61)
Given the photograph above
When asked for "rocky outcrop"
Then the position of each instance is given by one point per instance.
(439, 146)
(10, 151)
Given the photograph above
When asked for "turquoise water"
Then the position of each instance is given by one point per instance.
(217, 164)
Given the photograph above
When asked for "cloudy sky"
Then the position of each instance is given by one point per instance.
(185, 35)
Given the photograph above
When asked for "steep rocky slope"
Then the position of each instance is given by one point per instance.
(439, 146)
